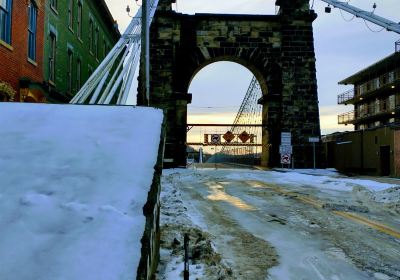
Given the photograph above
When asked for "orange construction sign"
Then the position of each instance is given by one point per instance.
(228, 136)
(244, 136)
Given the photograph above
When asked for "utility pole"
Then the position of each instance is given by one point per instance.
(146, 51)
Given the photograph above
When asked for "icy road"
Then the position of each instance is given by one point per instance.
(252, 224)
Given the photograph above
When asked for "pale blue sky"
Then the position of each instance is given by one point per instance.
(342, 48)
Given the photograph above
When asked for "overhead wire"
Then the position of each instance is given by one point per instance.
(375, 31)
(343, 17)
(374, 6)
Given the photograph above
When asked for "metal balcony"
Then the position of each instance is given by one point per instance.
(345, 96)
(346, 118)
(368, 88)
(377, 110)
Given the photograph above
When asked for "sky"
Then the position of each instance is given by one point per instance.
(342, 48)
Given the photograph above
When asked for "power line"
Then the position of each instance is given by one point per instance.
(375, 31)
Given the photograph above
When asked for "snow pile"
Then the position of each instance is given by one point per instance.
(73, 181)
(391, 195)
(320, 179)
(177, 218)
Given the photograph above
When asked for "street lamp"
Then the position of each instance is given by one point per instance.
(328, 9)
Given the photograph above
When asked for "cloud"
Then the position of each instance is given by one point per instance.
(329, 119)
(212, 118)
(229, 7)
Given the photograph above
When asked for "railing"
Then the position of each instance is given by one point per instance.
(369, 110)
(346, 118)
(370, 86)
(376, 108)
(346, 96)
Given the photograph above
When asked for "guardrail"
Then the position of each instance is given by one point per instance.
(346, 96)
(365, 111)
(346, 118)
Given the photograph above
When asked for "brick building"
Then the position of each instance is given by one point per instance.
(21, 55)
(78, 35)
(373, 148)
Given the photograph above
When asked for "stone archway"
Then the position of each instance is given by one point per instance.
(267, 77)
(277, 49)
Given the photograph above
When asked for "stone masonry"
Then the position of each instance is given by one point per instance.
(277, 49)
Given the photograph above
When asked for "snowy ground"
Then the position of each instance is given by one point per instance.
(249, 224)
(73, 182)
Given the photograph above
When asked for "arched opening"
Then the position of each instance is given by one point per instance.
(224, 93)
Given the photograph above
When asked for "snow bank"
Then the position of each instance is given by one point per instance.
(321, 179)
(73, 181)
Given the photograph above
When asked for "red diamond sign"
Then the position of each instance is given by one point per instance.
(244, 136)
(228, 136)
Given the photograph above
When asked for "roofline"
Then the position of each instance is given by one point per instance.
(364, 72)
(110, 18)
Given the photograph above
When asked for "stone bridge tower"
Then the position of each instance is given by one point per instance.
(277, 49)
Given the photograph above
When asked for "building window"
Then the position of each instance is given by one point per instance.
(96, 43)
(78, 74)
(91, 35)
(32, 31)
(5, 20)
(71, 14)
(69, 69)
(79, 23)
(52, 57)
(53, 4)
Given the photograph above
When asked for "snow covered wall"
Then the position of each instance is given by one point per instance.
(74, 181)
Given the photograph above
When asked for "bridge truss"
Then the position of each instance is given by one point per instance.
(248, 120)
(111, 83)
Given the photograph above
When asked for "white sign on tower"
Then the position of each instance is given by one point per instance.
(286, 138)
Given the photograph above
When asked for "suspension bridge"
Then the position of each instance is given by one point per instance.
(281, 99)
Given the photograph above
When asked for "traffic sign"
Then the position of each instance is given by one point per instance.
(285, 159)
(215, 138)
(286, 138)
(286, 149)
(244, 136)
(229, 136)
(313, 139)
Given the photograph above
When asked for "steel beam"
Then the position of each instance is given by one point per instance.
(370, 16)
